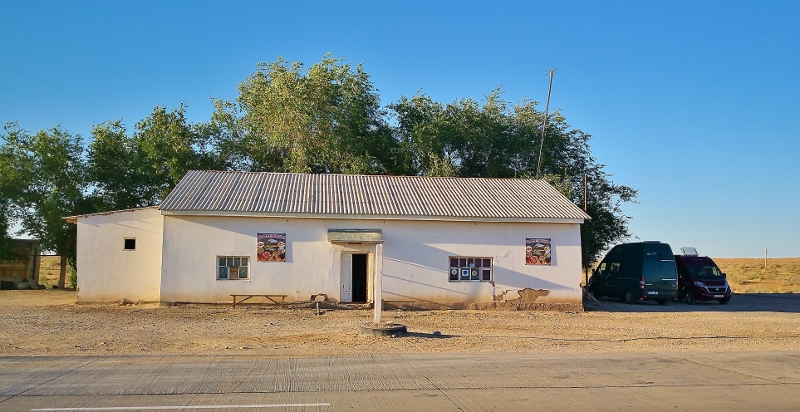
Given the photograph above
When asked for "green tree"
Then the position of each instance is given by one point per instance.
(6, 195)
(117, 168)
(140, 169)
(6, 249)
(421, 131)
(467, 139)
(167, 147)
(45, 176)
(326, 119)
(608, 225)
(224, 138)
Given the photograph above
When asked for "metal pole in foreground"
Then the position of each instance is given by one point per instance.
(377, 295)
(544, 124)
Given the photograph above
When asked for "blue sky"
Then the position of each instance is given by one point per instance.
(695, 104)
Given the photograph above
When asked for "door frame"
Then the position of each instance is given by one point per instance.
(346, 261)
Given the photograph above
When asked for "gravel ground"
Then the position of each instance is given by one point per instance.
(48, 323)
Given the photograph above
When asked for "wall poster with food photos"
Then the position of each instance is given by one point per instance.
(271, 247)
(537, 251)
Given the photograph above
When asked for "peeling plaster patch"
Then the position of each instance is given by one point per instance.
(320, 297)
(530, 295)
(526, 295)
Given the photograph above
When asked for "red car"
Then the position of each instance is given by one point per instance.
(699, 278)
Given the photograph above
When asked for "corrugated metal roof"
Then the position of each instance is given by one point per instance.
(368, 196)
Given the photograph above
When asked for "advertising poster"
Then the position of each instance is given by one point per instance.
(537, 251)
(271, 247)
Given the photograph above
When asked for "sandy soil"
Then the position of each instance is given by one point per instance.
(49, 323)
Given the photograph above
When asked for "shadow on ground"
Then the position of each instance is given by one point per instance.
(751, 302)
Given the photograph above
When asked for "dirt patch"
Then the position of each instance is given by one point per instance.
(43, 299)
(49, 323)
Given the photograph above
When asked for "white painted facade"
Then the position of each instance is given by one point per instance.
(438, 236)
(109, 272)
(415, 259)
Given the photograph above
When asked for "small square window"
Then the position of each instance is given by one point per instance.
(130, 243)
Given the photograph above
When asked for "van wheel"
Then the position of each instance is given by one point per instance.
(688, 297)
(662, 302)
(724, 301)
(628, 297)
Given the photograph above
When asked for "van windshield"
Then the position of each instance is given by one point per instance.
(704, 272)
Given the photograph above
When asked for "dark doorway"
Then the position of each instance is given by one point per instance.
(359, 278)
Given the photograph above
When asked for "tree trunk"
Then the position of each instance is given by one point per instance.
(62, 275)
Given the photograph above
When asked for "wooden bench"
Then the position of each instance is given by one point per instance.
(248, 296)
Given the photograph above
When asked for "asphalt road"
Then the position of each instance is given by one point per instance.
(722, 381)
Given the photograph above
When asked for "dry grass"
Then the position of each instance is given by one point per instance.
(749, 275)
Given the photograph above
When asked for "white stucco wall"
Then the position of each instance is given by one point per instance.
(107, 272)
(415, 259)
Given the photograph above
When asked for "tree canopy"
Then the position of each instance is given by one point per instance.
(44, 179)
(326, 118)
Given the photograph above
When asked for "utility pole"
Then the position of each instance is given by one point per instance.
(585, 192)
(544, 124)
(586, 229)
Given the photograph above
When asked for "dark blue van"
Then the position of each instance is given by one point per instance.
(633, 271)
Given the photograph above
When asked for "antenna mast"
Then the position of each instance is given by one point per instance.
(544, 124)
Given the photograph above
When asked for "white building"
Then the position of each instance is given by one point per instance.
(441, 242)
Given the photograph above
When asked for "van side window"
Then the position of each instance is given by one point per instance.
(614, 267)
(602, 267)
